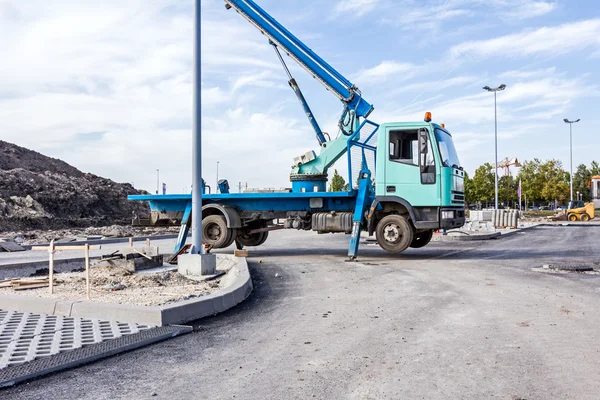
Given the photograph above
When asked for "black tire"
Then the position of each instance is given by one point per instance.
(253, 240)
(394, 233)
(231, 237)
(585, 217)
(421, 239)
(572, 217)
(215, 232)
(264, 238)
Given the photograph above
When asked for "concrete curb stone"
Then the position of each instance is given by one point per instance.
(239, 288)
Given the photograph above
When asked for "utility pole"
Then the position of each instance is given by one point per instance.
(571, 147)
(489, 89)
(217, 187)
(197, 247)
(197, 262)
(157, 179)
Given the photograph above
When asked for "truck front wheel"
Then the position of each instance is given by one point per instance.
(394, 233)
(421, 239)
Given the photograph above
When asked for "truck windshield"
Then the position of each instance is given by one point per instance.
(447, 150)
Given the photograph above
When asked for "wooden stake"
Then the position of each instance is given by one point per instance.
(51, 267)
(147, 242)
(87, 271)
(142, 254)
(130, 242)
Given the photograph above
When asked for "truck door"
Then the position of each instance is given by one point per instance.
(411, 171)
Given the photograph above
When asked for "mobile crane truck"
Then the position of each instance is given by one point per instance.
(405, 178)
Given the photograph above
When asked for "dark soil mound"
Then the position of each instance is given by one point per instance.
(39, 192)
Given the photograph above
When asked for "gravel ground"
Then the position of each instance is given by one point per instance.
(467, 320)
(144, 289)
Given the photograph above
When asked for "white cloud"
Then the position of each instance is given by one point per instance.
(385, 70)
(526, 74)
(531, 9)
(124, 68)
(356, 7)
(431, 14)
(555, 40)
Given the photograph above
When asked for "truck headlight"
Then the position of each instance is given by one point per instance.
(448, 214)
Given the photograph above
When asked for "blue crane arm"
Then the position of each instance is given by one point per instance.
(335, 82)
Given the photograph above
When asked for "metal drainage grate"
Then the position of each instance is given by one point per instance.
(14, 374)
(26, 336)
(572, 267)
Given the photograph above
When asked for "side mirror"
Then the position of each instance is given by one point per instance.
(423, 141)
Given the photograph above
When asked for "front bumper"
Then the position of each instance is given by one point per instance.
(451, 218)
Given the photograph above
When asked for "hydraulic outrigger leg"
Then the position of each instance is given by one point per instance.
(364, 188)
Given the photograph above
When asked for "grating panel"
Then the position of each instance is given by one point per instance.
(14, 374)
(25, 336)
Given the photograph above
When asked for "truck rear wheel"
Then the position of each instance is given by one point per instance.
(394, 233)
(421, 239)
(253, 240)
(232, 233)
(215, 232)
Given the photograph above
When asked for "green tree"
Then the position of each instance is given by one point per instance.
(469, 197)
(581, 178)
(595, 168)
(507, 189)
(482, 184)
(338, 183)
(556, 181)
(531, 181)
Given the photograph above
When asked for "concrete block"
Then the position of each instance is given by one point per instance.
(197, 264)
(188, 310)
(147, 315)
(63, 307)
(37, 305)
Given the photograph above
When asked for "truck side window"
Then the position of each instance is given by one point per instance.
(404, 147)
(428, 173)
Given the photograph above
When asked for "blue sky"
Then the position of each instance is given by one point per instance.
(106, 85)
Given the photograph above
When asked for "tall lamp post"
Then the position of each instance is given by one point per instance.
(498, 89)
(217, 187)
(157, 179)
(571, 149)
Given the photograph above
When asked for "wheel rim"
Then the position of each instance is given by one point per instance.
(392, 233)
(573, 218)
(213, 232)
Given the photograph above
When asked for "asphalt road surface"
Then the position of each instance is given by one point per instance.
(453, 320)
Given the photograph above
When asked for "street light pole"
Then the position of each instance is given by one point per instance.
(197, 247)
(571, 149)
(498, 89)
(217, 187)
(157, 179)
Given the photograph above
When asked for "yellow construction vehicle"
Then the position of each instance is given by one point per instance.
(578, 211)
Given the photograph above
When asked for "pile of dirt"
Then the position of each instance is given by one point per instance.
(41, 236)
(39, 192)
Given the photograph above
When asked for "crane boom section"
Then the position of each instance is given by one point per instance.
(308, 59)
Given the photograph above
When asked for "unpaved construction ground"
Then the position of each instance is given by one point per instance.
(453, 320)
(116, 285)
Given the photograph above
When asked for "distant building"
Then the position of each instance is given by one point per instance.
(595, 190)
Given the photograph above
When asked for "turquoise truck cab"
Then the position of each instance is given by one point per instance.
(418, 177)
